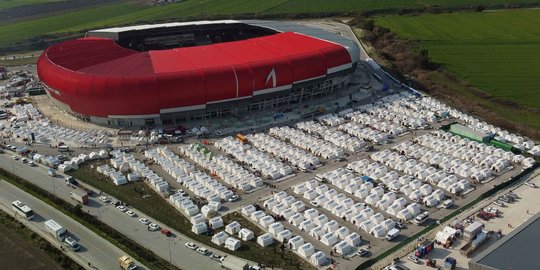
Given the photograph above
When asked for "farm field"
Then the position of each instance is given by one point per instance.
(131, 12)
(5, 4)
(497, 52)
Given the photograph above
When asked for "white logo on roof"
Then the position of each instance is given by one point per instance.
(271, 75)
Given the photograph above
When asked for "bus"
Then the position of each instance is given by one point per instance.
(22, 210)
(241, 138)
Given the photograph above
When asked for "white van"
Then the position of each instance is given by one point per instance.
(421, 218)
(447, 203)
(393, 233)
(63, 148)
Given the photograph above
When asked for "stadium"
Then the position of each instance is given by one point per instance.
(164, 74)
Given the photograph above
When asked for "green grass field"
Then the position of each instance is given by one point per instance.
(497, 52)
(131, 12)
(5, 4)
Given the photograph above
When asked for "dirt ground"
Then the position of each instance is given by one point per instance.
(18, 254)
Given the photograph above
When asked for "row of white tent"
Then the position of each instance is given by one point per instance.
(185, 173)
(25, 112)
(338, 138)
(307, 142)
(365, 133)
(417, 171)
(258, 160)
(389, 128)
(295, 156)
(141, 169)
(224, 168)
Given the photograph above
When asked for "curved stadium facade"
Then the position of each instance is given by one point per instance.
(167, 73)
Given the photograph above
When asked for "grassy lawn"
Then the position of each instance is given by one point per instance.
(156, 207)
(5, 4)
(498, 52)
(131, 12)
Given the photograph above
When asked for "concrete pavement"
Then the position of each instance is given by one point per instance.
(95, 252)
(178, 254)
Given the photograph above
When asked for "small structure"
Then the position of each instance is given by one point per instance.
(233, 228)
(246, 234)
(343, 248)
(284, 235)
(306, 250)
(219, 238)
(318, 258)
(232, 243)
(199, 228)
(265, 240)
(296, 242)
(216, 223)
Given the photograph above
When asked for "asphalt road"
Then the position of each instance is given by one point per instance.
(178, 254)
(94, 249)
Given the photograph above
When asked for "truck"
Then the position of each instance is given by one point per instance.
(55, 229)
(79, 196)
(126, 263)
(234, 264)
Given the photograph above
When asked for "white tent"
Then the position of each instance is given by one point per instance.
(197, 219)
(366, 225)
(265, 240)
(266, 221)
(199, 228)
(354, 239)
(329, 239)
(342, 232)
(306, 250)
(356, 220)
(216, 223)
(284, 235)
(377, 218)
(246, 234)
(257, 215)
(317, 232)
(298, 206)
(310, 194)
(343, 248)
(233, 228)
(318, 258)
(219, 238)
(296, 242)
(321, 219)
(275, 228)
(414, 208)
(378, 231)
(388, 224)
(287, 213)
(248, 210)
(331, 226)
(232, 243)
(296, 219)
(307, 225)
(404, 214)
(311, 213)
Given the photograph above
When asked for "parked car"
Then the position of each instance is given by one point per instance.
(216, 257)
(153, 227)
(191, 246)
(362, 253)
(512, 195)
(413, 258)
(144, 221)
(104, 199)
(530, 184)
(499, 203)
(121, 208)
(131, 213)
(72, 243)
(314, 203)
(202, 250)
(234, 198)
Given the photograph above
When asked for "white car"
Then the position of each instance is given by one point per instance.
(413, 258)
(131, 213)
(121, 208)
(15, 157)
(314, 203)
(530, 184)
(202, 250)
(144, 221)
(234, 198)
(72, 243)
(31, 163)
(104, 199)
(153, 227)
(191, 246)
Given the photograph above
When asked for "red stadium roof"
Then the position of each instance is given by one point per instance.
(95, 76)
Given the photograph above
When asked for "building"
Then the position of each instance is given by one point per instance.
(518, 250)
(169, 73)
